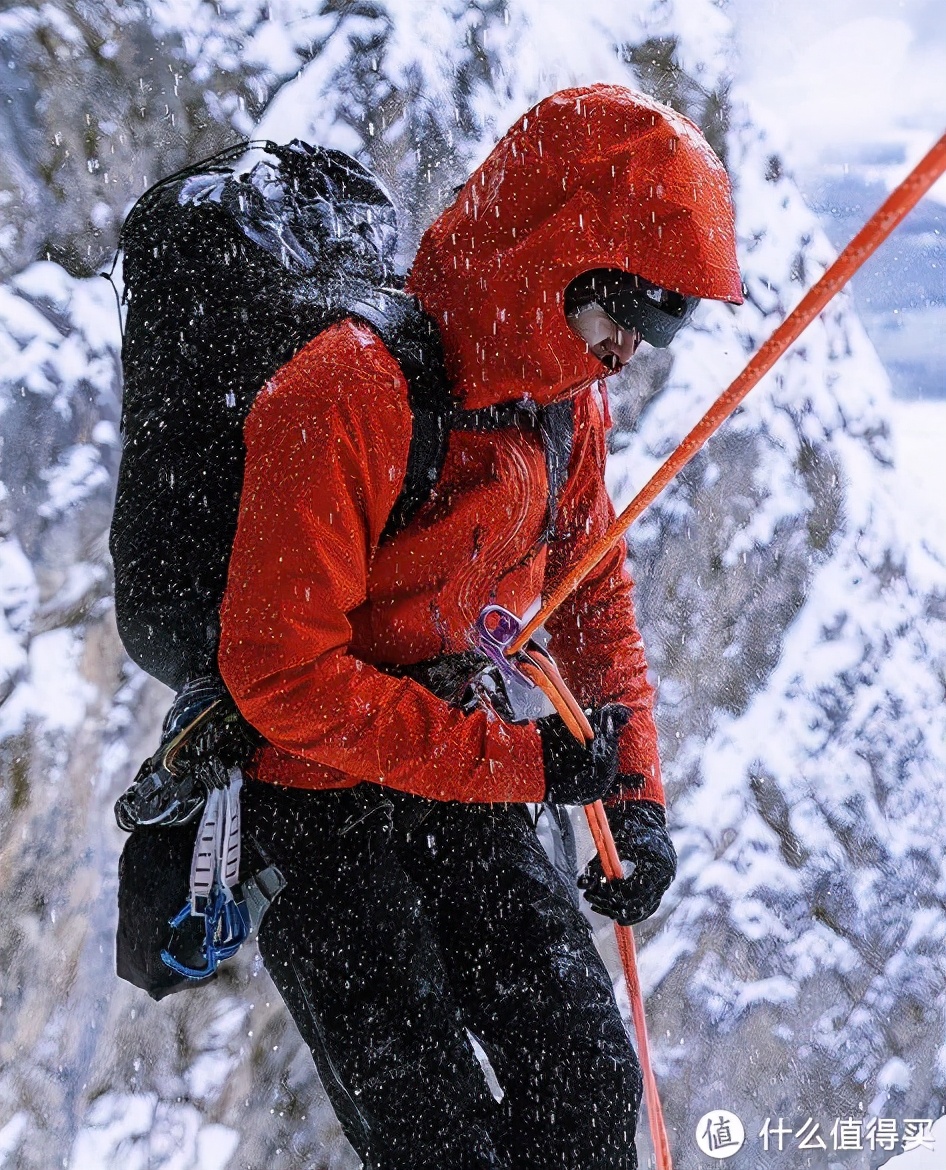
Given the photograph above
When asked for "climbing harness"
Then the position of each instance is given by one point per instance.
(196, 770)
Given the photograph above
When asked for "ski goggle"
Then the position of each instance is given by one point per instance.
(632, 303)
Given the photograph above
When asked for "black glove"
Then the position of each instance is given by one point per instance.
(574, 773)
(640, 833)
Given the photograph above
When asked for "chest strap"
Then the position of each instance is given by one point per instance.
(555, 424)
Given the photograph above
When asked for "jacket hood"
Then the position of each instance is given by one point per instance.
(592, 177)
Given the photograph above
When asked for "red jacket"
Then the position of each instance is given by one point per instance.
(590, 178)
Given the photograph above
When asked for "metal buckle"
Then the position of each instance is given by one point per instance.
(495, 641)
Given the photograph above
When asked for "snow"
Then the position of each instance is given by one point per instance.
(10, 1135)
(532, 51)
(57, 333)
(208, 1075)
(847, 77)
(143, 1133)
(803, 940)
(922, 1158)
(18, 599)
(77, 476)
(895, 1074)
(919, 438)
(55, 693)
(18, 591)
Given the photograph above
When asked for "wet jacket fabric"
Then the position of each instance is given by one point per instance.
(316, 603)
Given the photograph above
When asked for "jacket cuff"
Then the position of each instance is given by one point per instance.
(631, 786)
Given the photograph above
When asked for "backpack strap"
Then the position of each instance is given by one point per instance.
(556, 425)
(413, 340)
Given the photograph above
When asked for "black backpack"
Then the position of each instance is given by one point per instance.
(228, 272)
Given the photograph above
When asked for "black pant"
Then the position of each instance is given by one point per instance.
(407, 922)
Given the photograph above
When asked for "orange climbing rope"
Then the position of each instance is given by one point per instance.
(865, 243)
(611, 865)
(901, 200)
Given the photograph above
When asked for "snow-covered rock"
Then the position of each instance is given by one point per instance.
(792, 597)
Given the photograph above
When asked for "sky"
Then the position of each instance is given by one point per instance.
(848, 81)
(854, 92)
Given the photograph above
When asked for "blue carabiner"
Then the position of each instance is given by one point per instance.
(226, 929)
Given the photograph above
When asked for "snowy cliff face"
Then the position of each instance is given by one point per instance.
(99, 102)
(793, 614)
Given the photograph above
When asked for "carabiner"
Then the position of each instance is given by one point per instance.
(226, 929)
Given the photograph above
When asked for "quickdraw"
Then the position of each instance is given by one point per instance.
(215, 871)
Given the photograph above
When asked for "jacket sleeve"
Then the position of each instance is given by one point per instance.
(326, 451)
(594, 635)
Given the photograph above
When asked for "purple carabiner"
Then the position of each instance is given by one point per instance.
(493, 642)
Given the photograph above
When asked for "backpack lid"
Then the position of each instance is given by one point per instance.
(313, 209)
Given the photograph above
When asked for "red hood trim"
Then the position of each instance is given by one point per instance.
(595, 177)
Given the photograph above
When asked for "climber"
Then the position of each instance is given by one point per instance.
(424, 935)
